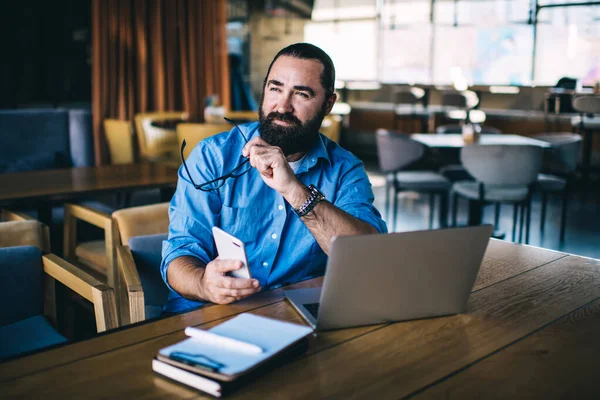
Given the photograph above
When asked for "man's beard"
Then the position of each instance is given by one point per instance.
(298, 137)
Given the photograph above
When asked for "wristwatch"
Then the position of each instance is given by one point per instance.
(310, 203)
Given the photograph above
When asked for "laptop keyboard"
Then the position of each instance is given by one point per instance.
(312, 308)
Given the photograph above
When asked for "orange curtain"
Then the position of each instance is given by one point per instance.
(156, 55)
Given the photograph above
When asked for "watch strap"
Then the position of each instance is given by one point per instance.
(315, 197)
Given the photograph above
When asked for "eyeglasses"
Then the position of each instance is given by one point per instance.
(243, 167)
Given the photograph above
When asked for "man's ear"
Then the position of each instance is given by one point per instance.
(330, 102)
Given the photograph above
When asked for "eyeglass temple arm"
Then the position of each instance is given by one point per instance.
(238, 128)
(185, 166)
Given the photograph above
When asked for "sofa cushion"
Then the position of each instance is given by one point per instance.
(28, 335)
(21, 289)
(81, 138)
(147, 254)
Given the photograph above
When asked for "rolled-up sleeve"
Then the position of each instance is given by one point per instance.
(355, 196)
(192, 212)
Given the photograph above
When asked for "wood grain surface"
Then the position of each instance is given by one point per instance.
(382, 361)
(72, 182)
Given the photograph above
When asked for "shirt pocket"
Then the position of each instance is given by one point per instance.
(241, 222)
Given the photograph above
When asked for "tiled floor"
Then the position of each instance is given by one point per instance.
(583, 219)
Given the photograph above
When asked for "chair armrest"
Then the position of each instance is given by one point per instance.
(102, 296)
(74, 212)
(132, 285)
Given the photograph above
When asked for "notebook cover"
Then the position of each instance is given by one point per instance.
(273, 336)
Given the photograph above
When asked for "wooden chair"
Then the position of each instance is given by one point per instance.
(18, 229)
(155, 143)
(119, 135)
(100, 255)
(141, 232)
(331, 127)
(194, 133)
(26, 269)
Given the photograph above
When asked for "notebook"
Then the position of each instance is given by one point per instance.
(216, 369)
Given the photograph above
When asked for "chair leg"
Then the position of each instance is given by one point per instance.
(497, 216)
(443, 210)
(395, 209)
(387, 200)
(431, 209)
(522, 221)
(563, 215)
(454, 208)
(543, 212)
(528, 221)
(515, 220)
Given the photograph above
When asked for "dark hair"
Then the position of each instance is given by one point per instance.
(307, 51)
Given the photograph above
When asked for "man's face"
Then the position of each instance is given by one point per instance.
(293, 104)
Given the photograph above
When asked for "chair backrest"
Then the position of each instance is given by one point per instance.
(396, 150)
(194, 133)
(141, 221)
(564, 154)
(502, 164)
(588, 104)
(331, 127)
(147, 254)
(21, 283)
(119, 135)
(466, 99)
(25, 233)
(155, 142)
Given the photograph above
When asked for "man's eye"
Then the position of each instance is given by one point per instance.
(275, 89)
(302, 94)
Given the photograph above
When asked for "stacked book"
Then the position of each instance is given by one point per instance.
(219, 360)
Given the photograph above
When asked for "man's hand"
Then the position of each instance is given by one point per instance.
(272, 165)
(221, 289)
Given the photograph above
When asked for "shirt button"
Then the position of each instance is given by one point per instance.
(274, 236)
(280, 207)
(265, 264)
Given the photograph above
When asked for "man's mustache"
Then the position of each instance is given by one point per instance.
(287, 117)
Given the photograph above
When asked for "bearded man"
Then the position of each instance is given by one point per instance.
(278, 185)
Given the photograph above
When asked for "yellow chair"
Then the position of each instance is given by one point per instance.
(157, 144)
(194, 133)
(331, 127)
(119, 136)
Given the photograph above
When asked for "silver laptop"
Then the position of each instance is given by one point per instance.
(373, 279)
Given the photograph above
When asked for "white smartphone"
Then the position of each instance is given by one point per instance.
(231, 248)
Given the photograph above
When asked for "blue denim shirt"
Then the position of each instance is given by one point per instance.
(279, 247)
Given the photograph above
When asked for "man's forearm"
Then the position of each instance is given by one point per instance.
(184, 274)
(326, 221)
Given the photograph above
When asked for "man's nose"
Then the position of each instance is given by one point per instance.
(284, 105)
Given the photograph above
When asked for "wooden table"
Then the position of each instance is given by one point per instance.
(531, 332)
(42, 188)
